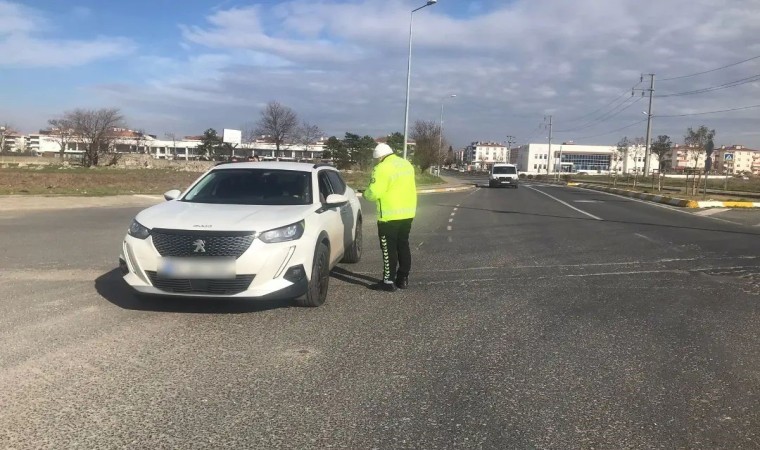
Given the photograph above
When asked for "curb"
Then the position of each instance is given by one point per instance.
(673, 201)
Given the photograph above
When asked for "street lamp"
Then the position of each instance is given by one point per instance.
(440, 132)
(409, 72)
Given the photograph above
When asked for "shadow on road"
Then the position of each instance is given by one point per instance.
(112, 287)
(347, 276)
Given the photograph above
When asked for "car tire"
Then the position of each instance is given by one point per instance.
(316, 291)
(354, 251)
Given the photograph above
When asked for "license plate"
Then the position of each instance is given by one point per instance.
(197, 268)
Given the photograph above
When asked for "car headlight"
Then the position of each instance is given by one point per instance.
(284, 234)
(137, 230)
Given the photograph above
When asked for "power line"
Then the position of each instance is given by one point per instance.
(730, 84)
(609, 115)
(712, 112)
(712, 70)
(599, 109)
(613, 131)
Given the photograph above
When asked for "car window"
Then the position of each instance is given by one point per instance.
(324, 187)
(510, 170)
(252, 187)
(337, 183)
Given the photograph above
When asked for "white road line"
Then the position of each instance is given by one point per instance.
(420, 245)
(451, 220)
(564, 203)
(448, 228)
(711, 211)
(450, 239)
(646, 238)
(455, 209)
(658, 205)
(453, 214)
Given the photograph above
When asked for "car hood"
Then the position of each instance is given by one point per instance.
(177, 215)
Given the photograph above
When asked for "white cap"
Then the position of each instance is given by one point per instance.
(382, 150)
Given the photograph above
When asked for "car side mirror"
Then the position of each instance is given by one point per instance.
(336, 200)
(172, 195)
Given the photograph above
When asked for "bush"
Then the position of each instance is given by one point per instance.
(530, 176)
(522, 176)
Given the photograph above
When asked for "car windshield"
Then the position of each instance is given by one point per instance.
(252, 187)
(505, 169)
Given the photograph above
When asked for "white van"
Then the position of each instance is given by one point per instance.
(503, 174)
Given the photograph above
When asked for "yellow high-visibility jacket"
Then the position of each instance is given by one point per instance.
(393, 189)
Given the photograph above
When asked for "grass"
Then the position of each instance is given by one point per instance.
(715, 182)
(56, 180)
(91, 182)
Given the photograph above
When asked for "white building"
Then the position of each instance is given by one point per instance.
(736, 159)
(484, 154)
(129, 141)
(536, 159)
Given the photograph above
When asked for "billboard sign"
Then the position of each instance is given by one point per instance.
(234, 137)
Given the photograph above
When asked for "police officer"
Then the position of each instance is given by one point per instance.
(393, 189)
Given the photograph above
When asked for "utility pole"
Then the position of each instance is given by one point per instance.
(510, 141)
(549, 156)
(647, 152)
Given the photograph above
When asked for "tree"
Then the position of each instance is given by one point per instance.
(61, 130)
(210, 144)
(449, 157)
(396, 142)
(307, 135)
(96, 130)
(698, 140)
(172, 137)
(363, 152)
(279, 123)
(337, 150)
(426, 136)
(141, 140)
(661, 148)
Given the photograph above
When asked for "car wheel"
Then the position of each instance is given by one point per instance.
(354, 252)
(316, 292)
(490, 184)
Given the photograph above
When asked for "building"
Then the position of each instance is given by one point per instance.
(536, 159)
(125, 141)
(483, 155)
(682, 157)
(736, 159)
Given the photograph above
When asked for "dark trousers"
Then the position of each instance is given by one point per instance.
(394, 243)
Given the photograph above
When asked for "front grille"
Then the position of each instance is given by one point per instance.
(181, 243)
(210, 287)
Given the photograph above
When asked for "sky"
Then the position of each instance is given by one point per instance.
(182, 66)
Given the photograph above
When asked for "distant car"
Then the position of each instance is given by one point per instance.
(251, 230)
(503, 175)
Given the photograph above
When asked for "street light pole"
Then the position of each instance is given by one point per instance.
(409, 72)
(440, 133)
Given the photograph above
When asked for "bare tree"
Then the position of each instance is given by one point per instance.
(426, 135)
(62, 132)
(5, 130)
(307, 135)
(279, 123)
(141, 141)
(95, 129)
(172, 137)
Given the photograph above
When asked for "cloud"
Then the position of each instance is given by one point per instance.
(343, 64)
(23, 43)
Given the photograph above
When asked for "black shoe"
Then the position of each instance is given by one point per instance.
(383, 286)
(402, 281)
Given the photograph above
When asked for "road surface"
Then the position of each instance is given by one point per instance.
(541, 317)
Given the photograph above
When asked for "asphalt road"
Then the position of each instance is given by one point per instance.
(541, 317)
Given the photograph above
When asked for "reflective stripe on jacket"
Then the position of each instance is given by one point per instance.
(393, 189)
